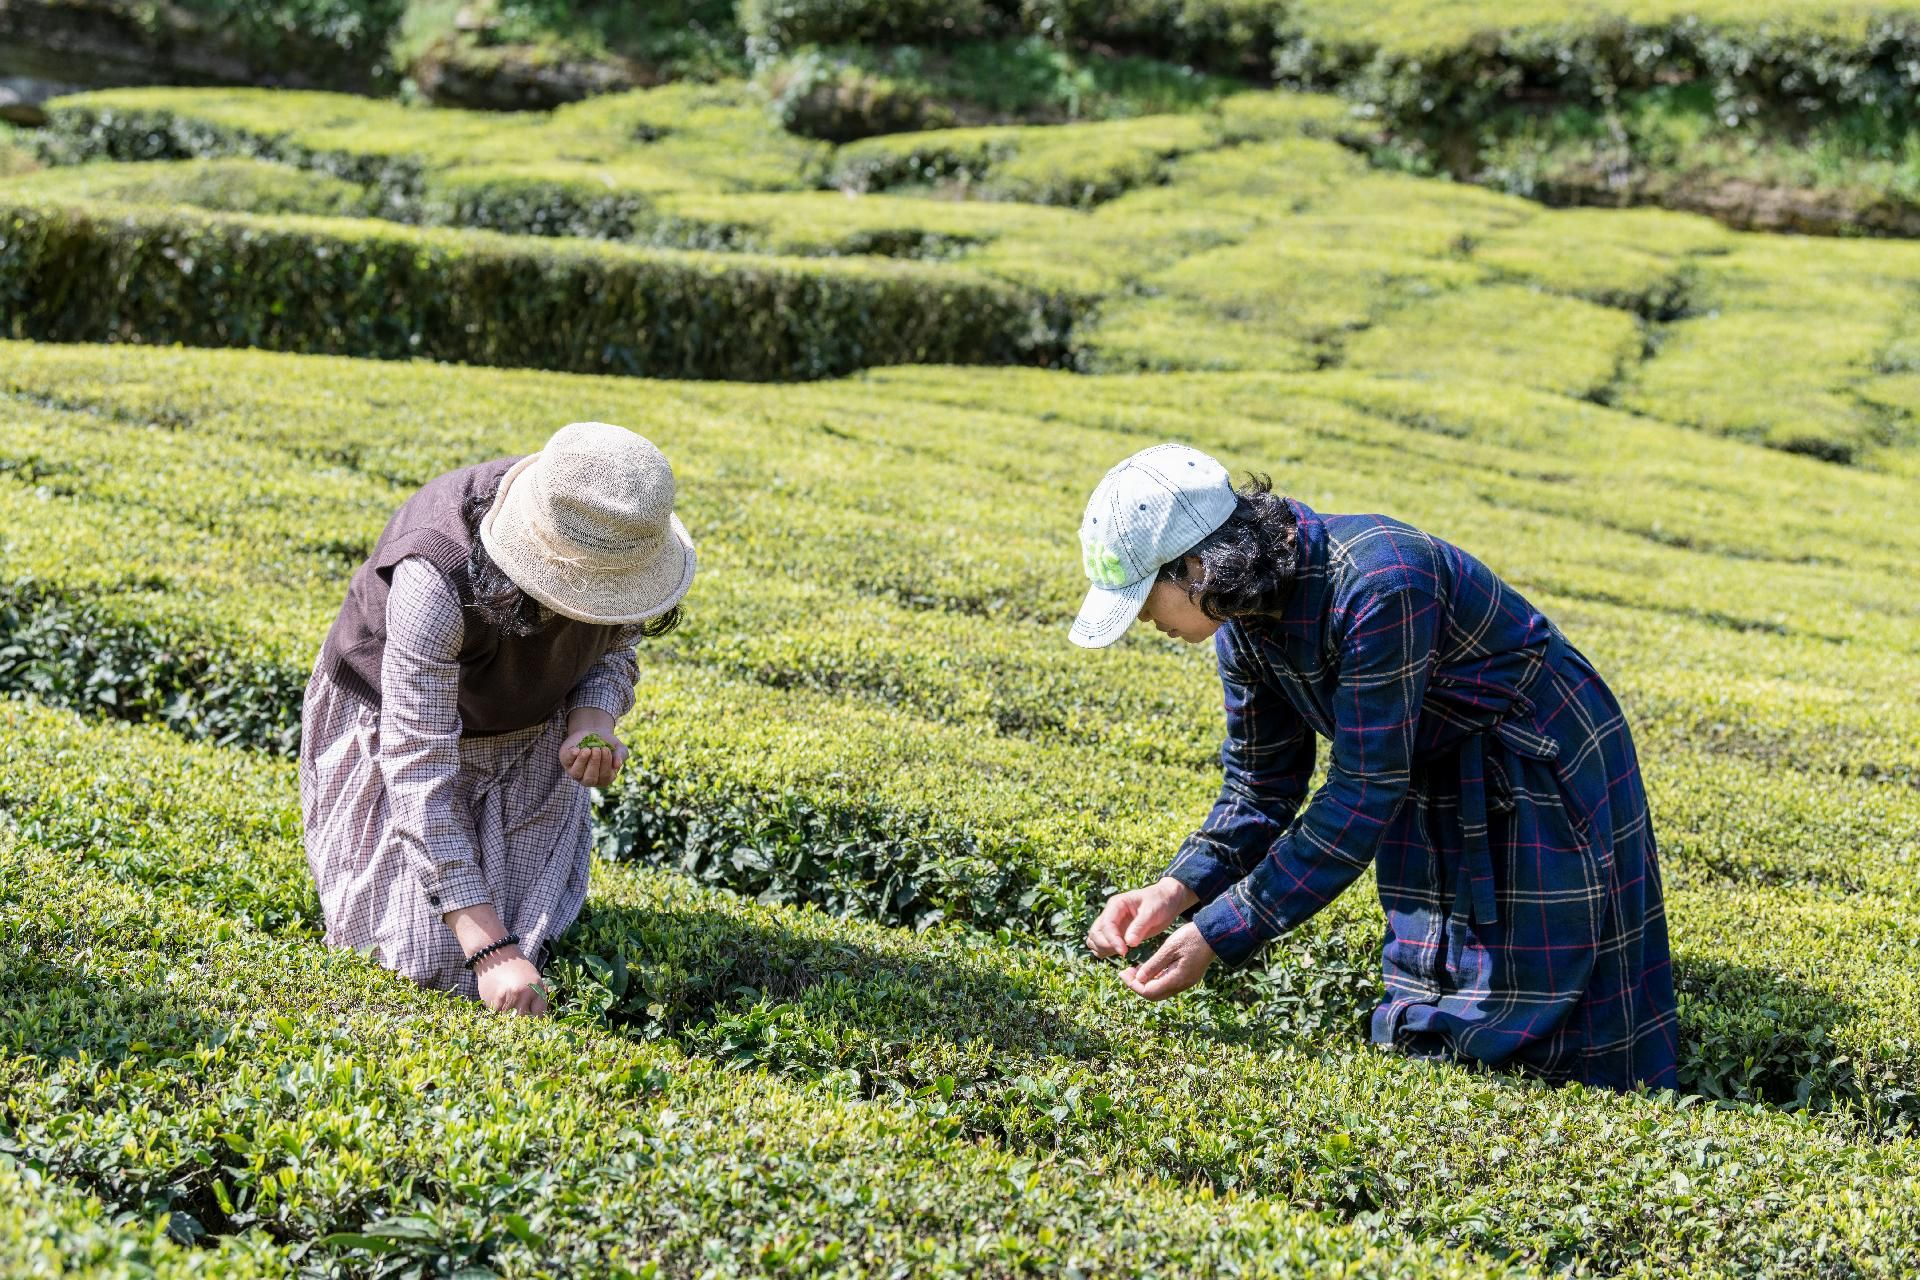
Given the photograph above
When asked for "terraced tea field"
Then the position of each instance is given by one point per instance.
(827, 1011)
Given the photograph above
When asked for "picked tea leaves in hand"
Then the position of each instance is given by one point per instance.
(594, 740)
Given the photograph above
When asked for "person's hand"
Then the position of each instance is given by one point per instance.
(592, 766)
(1180, 962)
(510, 984)
(1130, 918)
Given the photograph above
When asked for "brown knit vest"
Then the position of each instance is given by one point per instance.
(506, 682)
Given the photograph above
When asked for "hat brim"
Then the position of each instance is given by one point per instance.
(1107, 612)
(637, 593)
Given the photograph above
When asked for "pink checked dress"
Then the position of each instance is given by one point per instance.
(407, 820)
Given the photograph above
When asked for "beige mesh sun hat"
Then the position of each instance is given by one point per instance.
(586, 527)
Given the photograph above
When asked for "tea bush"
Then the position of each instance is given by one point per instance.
(86, 272)
(231, 186)
(1237, 237)
(773, 1025)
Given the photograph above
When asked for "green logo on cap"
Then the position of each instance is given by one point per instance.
(1104, 568)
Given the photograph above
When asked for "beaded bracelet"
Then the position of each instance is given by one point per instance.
(512, 939)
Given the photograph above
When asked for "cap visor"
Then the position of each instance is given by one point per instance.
(1107, 613)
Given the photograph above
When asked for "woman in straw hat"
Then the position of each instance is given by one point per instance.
(443, 777)
(1478, 764)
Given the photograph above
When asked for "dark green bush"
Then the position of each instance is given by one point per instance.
(78, 653)
(788, 24)
(77, 273)
(1752, 68)
(852, 860)
(1222, 35)
(821, 97)
(80, 131)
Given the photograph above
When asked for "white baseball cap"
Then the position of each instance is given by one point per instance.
(1148, 511)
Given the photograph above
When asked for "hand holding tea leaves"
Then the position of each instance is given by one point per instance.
(1133, 917)
(1181, 961)
(591, 754)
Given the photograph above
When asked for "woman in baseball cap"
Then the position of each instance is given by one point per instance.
(466, 699)
(1478, 764)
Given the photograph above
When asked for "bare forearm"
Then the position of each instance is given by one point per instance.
(475, 926)
(590, 720)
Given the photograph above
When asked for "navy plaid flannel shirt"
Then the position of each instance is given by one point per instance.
(1393, 644)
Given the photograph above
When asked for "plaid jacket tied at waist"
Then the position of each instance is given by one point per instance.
(1469, 757)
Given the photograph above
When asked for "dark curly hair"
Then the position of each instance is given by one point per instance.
(494, 598)
(1247, 565)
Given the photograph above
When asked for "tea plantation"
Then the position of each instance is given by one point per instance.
(827, 1011)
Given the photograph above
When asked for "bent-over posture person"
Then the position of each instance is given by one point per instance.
(443, 780)
(1479, 765)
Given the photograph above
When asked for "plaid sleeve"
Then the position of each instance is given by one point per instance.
(1387, 645)
(609, 683)
(1267, 759)
(420, 735)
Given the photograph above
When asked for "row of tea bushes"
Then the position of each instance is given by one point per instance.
(1812, 1018)
(292, 1094)
(79, 272)
(1638, 534)
(946, 754)
(223, 186)
(1040, 164)
(1443, 68)
(802, 497)
(677, 137)
(1262, 245)
(984, 1050)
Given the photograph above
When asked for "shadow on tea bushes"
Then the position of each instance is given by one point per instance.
(847, 858)
(74, 652)
(1748, 1035)
(746, 992)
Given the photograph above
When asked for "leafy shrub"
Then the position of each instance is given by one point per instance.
(1083, 165)
(79, 273)
(341, 43)
(1454, 68)
(822, 98)
(788, 24)
(71, 652)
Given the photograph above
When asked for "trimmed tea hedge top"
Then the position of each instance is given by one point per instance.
(127, 273)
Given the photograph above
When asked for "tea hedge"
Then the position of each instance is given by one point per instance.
(998, 786)
(1079, 166)
(952, 1035)
(302, 1096)
(1262, 244)
(1445, 66)
(227, 186)
(854, 91)
(93, 272)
